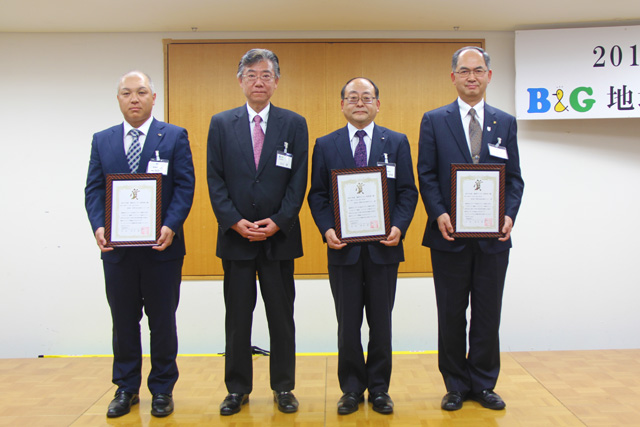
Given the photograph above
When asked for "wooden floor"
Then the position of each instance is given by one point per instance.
(573, 388)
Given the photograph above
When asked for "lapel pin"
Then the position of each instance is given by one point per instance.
(159, 134)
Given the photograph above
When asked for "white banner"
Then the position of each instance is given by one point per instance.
(581, 73)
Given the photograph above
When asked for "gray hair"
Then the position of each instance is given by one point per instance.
(127, 74)
(485, 56)
(256, 55)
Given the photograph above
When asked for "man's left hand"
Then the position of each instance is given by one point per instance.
(268, 227)
(394, 237)
(165, 240)
(506, 230)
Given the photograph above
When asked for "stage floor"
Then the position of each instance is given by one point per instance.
(559, 388)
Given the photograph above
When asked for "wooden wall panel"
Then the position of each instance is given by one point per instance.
(413, 77)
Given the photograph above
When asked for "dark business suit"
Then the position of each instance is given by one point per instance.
(466, 267)
(238, 191)
(138, 278)
(363, 275)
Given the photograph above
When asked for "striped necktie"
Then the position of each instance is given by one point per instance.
(133, 155)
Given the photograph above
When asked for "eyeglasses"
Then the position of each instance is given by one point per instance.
(252, 77)
(366, 99)
(478, 72)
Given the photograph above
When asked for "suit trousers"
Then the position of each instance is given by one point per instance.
(460, 277)
(135, 283)
(240, 294)
(370, 287)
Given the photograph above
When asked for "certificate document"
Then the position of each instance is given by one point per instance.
(133, 209)
(477, 199)
(360, 201)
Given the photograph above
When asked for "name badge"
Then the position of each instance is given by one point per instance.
(158, 165)
(284, 159)
(391, 169)
(497, 151)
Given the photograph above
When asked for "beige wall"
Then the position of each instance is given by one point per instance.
(572, 282)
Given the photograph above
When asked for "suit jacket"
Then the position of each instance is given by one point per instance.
(238, 191)
(443, 142)
(333, 151)
(108, 156)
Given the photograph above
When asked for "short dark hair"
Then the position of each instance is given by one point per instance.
(356, 78)
(256, 55)
(485, 56)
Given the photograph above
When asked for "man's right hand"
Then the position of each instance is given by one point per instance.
(445, 227)
(332, 239)
(249, 230)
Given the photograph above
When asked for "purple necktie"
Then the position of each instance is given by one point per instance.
(360, 155)
(258, 139)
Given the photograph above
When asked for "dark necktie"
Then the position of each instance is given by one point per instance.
(475, 136)
(360, 155)
(258, 139)
(133, 155)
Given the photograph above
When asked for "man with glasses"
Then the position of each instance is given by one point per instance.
(468, 131)
(363, 276)
(257, 163)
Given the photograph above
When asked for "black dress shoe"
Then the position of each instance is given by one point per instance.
(232, 403)
(349, 402)
(287, 402)
(121, 404)
(452, 401)
(489, 399)
(382, 402)
(161, 405)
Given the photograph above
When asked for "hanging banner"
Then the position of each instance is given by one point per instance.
(584, 73)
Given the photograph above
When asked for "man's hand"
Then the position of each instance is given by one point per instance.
(445, 227)
(101, 241)
(394, 237)
(165, 240)
(267, 226)
(506, 229)
(249, 230)
(332, 239)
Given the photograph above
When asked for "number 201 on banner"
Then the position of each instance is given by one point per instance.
(615, 56)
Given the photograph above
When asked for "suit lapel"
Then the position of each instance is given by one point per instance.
(243, 135)
(343, 148)
(488, 131)
(454, 122)
(378, 143)
(151, 143)
(116, 146)
(271, 138)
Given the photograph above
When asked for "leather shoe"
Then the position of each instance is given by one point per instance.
(162, 405)
(287, 402)
(232, 403)
(452, 401)
(121, 404)
(348, 403)
(489, 399)
(382, 402)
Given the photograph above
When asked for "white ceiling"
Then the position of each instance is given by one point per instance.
(305, 15)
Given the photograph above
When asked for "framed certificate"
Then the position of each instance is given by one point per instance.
(477, 199)
(361, 204)
(133, 209)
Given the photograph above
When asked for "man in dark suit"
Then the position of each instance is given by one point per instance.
(257, 163)
(363, 276)
(140, 278)
(468, 131)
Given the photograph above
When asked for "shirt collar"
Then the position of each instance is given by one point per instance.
(144, 129)
(264, 114)
(368, 129)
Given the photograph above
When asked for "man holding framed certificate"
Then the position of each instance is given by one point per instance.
(356, 172)
(140, 188)
(469, 168)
